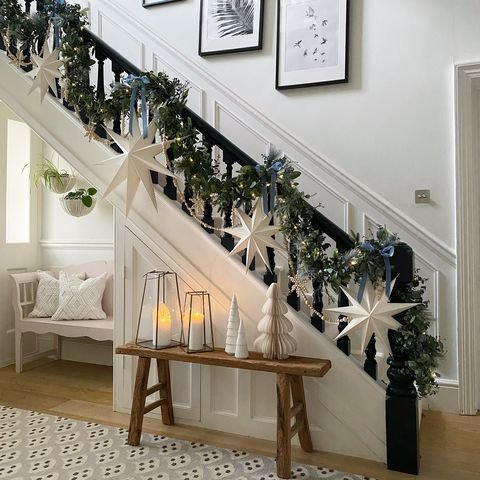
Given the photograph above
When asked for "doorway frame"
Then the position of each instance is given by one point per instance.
(467, 180)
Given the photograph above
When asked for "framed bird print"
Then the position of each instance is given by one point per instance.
(228, 26)
(312, 43)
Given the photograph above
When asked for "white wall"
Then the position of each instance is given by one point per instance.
(67, 240)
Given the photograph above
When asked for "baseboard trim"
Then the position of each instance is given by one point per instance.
(446, 400)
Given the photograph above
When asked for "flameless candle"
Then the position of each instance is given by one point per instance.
(162, 326)
(195, 339)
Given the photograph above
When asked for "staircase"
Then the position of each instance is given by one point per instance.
(347, 406)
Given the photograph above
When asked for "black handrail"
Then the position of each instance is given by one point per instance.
(329, 228)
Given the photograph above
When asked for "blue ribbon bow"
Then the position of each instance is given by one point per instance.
(135, 83)
(57, 22)
(274, 169)
(387, 253)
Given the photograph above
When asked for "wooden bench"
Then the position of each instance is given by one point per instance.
(290, 392)
(23, 300)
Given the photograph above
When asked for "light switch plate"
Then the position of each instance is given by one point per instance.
(422, 196)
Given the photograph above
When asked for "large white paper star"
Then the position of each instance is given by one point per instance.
(255, 235)
(138, 158)
(372, 315)
(46, 71)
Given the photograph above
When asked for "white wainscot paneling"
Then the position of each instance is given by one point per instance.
(239, 132)
(195, 94)
(58, 253)
(129, 47)
(329, 202)
(139, 259)
(263, 397)
(224, 390)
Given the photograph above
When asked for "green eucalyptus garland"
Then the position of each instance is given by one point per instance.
(166, 99)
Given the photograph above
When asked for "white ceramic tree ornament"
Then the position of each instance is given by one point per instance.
(275, 342)
(241, 348)
(255, 234)
(372, 315)
(138, 159)
(232, 327)
(46, 71)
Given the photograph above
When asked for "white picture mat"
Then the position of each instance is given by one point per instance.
(335, 67)
(210, 44)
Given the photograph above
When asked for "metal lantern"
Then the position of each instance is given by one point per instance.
(160, 320)
(197, 322)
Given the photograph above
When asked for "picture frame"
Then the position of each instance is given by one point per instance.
(312, 43)
(222, 28)
(153, 3)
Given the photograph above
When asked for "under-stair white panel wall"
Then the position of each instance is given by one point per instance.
(67, 240)
(347, 406)
(363, 147)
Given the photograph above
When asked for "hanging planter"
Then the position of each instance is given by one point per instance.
(62, 184)
(57, 181)
(80, 202)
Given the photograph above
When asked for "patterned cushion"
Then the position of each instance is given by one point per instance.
(48, 290)
(80, 300)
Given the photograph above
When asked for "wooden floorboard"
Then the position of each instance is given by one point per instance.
(450, 443)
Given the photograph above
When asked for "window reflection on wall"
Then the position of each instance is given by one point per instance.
(18, 185)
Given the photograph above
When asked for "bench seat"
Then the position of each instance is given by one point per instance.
(23, 300)
(100, 330)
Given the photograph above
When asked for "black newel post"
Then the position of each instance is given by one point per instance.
(401, 405)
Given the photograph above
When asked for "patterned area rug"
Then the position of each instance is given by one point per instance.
(36, 446)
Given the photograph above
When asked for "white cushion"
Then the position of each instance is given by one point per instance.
(46, 302)
(80, 300)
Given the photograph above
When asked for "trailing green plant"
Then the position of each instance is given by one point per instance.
(46, 172)
(84, 194)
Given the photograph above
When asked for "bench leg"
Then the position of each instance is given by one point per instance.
(138, 403)
(298, 396)
(165, 392)
(284, 449)
(18, 350)
(57, 345)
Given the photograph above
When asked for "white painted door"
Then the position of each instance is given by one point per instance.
(19, 242)
(133, 258)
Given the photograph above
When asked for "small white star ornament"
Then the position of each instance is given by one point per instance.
(255, 235)
(46, 71)
(374, 314)
(138, 159)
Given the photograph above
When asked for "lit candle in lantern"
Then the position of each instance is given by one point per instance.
(195, 338)
(162, 326)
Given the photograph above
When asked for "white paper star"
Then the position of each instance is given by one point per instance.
(372, 315)
(138, 158)
(255, 235)
(46, 71)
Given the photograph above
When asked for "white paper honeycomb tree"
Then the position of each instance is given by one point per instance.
(275, 342)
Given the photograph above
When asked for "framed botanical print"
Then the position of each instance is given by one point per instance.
(312, 43)
(228, 26)
(151, 3)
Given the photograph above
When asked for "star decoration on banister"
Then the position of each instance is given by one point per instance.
(373, 314)
(46, 70)
(138, 159)
(299, 284)
(255, 234)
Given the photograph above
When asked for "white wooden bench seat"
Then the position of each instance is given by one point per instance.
(23, 300)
